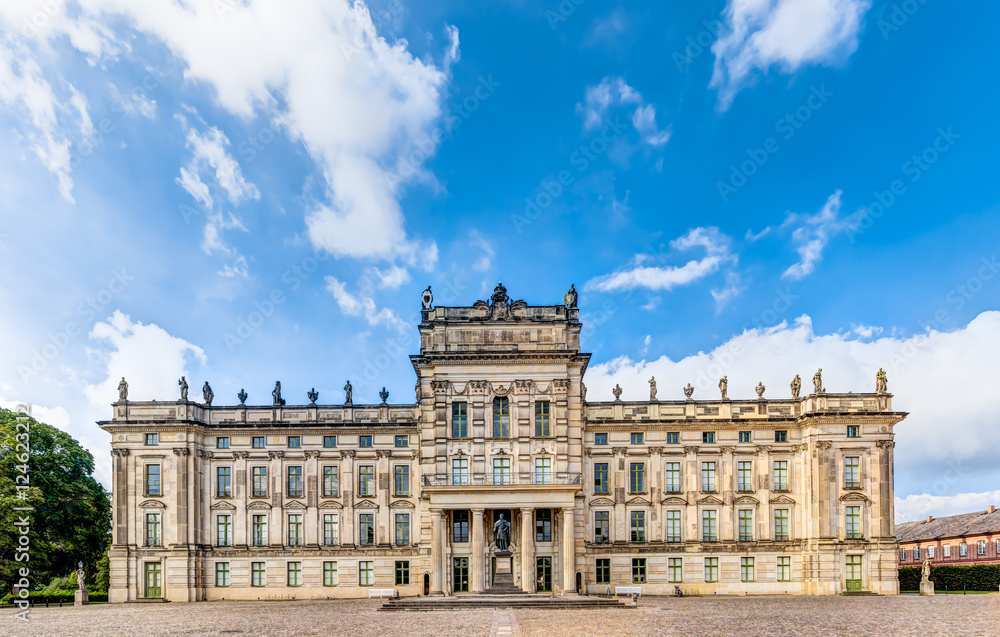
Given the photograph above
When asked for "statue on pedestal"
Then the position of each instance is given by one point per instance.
(349, 391)
(570, 298)
(278, 400)
(183, 383)
(796, 386)
(724, 386)
(881, 382)
(123, 390)
(926, 585)
(82, 596)
(501, 534)
(818, 382)
(208, 394)
(652, 389)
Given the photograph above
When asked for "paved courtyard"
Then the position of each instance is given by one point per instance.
(954, 615)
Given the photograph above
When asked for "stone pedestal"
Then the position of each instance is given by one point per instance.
(81, 598)
(926, 588)
(503, 579)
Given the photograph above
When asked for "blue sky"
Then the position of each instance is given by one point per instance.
(243, 193)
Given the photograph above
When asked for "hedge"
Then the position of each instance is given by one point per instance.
(981, 577)
(38, 598)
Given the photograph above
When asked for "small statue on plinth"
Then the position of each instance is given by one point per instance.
(501, 534)
(82, 596)
(796, 386)
(652, 389)
(123, 390)
(724, 387)
(183, 384)
(348, 393)
(881, 382)
(926, 585)
(207, 394)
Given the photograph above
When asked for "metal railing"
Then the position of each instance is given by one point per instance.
(498, 478)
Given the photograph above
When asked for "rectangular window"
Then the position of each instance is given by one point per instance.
(501, 418)
(260, 530)
(259, 475)
(675, 570)
(981, 547)
(963, 549)
(637, 477)
(708, 526)
(331, 529)
(543, 470)
(708, 436)
(673, 438)
(330, 574)
(223, 482)
(602, 527)
(711, 569)
(331, 481)
(366, 573)
(330, 442)
(295, 529)
(542, 419)
(222, 573)
(638, 570)
(747, 569)
(543, 525)
(902, 555)
(222, 443)
(152, 440)
(460, 471)
(459, 420)
(708, 476)
(223, 530)
(998, 548)
(294, 442)
(781, 475)
(364, 441)
(672, 527)
(636, 438)
(781, 524)
(402, 529)
(784, 569)
(295, 573)
(600, 477)
(637, 525)
(930, 552)
(852, 472)
(402, 441)
(294, 482)
(853, 431)
(946, 550)
(746, 525)
(402, 480)
(916, 553)
(672, 477)
(258, 443)
(366, 480)
(460, 526)
(852, 523)
(501, 470)
(600, 439)
(258, 574)
(781, 436)
(744, 476)
(402, 573)
(603, 571)
(366, 529)
(153, 529)
(153, 479)
(744, 436)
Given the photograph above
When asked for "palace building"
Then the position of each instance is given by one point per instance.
(310, 501)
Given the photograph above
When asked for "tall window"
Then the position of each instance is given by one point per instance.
(259, 530)
(946, 550)
(916, 553)
(258, 443)
(153, 479)
(402, 480)
(223, 530)
(711, 569)
(542, 420)
(637, 477)
(638, 526)
(708, 526)
(543, 525)
(295, 529)
(223, 482)
(543, 470)
(294, 574)
(747, 569)
(852, 523)
(153, 529)
(402, 573)
(366, 529)
(366, 573)
(638, 570)
(784, 569)
(259, 475)
(600, 477)
(366, 480)
(744, 476)
(152, 439)
(603, 571)
(222, 573)
(330, 574)
(501, 418)
(294, 482)
(672, 529)
(708, 476)
(963, 549)
(781, 524)
(331, 529)
(331, 481)
(675, 570)
(981, 547)
(459, 420)
(501, 470)
(902, 555)
(460, 526)
(460, 471)
(672, 478)
(746, 525)
(930, 552)
(329, 442)
(852, 472)
(673, 437)
(402, 529)
(781, 475)
(602, 526)
(258, 574)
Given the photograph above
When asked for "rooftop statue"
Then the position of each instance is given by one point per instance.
(724, 386)
(570, 298)
(278, 400)
(427, 298)
(313, 396)
(652, 389)
(760, 389)
(818, 381)
(123, 390)
(242, 396)
(349, 398)
(184, 387)
(617, 391)
(207, 393)
(688, 391)
(881, 382)
(796, 386)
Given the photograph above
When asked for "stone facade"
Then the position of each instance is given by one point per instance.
(316, 501)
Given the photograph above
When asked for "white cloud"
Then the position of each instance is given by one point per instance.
(392, 278)
(362, 305)
(919, 506)
(615, 92)
(813, 232)
(759, 34)
(481, 247)
(731, 290)
(945, 445)
(645, 344)
(208, 150)
(865, 331)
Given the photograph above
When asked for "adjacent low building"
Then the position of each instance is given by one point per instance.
(717, 496)
(954, 540)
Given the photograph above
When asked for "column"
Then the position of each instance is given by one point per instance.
(437, 552)
(569, 552)
(478, 549)
(527, 551)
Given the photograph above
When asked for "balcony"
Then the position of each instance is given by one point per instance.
(500, 479)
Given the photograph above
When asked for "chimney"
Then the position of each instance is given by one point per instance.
(992, 509)
(929, 518)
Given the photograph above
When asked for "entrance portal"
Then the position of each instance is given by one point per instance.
(543, 574)
(461, 575)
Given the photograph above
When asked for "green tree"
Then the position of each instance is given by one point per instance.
(71, 520)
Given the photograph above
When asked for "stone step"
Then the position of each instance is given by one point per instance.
(497, 601)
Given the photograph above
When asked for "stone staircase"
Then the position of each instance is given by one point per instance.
(505, 600)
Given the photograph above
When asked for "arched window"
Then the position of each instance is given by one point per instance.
(501, 418)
